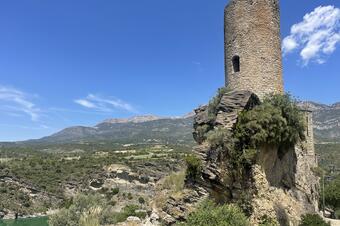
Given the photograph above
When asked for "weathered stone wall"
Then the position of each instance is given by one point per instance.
(252, 32)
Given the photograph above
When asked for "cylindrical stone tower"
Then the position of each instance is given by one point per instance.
(253, 57)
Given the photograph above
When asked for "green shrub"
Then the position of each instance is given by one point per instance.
(267, 221)
(214, 215)
(202, 131)
(129, 210)
(194, 167)
(63, 218)
(115, 191)
(92, 210)
(277, 121)
(82, 205)
(141, 200)
(220, 138)
(332, 193)
(313, 220)
(337, 214)
(129, 196)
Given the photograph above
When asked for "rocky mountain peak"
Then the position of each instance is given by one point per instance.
(135, 119)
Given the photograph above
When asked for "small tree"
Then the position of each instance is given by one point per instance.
(194, 167)
(115, 191)
(141, 201)
(129, 196)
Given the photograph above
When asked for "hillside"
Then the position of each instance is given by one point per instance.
(178, 130)
(139, 129)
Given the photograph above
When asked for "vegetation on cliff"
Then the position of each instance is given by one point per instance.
(194, 167)
(277, 121)
(231, 132)
(218, 215)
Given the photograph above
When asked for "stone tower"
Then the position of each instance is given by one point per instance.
(253, 58)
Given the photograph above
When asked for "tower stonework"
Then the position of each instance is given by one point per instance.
(253, 57)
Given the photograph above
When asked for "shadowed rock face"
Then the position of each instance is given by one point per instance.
(278, 185)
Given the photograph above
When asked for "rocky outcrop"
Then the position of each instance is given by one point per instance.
(177, 208)
(279, 185)
(217, 179)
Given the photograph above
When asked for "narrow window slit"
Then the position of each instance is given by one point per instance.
(236, 63)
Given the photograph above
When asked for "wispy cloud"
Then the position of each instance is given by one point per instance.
(16, 103)
(39, 127)
(86, 103)
(316, 36)
(104, 104)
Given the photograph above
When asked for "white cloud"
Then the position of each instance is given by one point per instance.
(15, 102)
(85, 103)
(104, 104)
(316, 36)
(289, 44)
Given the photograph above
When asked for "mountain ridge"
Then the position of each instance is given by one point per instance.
(138, 128)
(145, 127)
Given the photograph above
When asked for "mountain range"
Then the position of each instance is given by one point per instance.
(149, 128)
(176, 130)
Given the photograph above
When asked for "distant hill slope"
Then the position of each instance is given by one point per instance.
(137, 129)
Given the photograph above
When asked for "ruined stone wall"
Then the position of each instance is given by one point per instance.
(252, 32)
(308, 115)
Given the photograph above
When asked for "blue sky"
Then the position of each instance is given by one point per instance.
(65, 63)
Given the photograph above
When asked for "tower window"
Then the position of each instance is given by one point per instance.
(236, 63)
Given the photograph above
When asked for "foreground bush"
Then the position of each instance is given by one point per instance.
(92, 210)
(81, 205)
(214, 215)
(313, 220)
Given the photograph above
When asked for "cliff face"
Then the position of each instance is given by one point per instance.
(280, 184)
